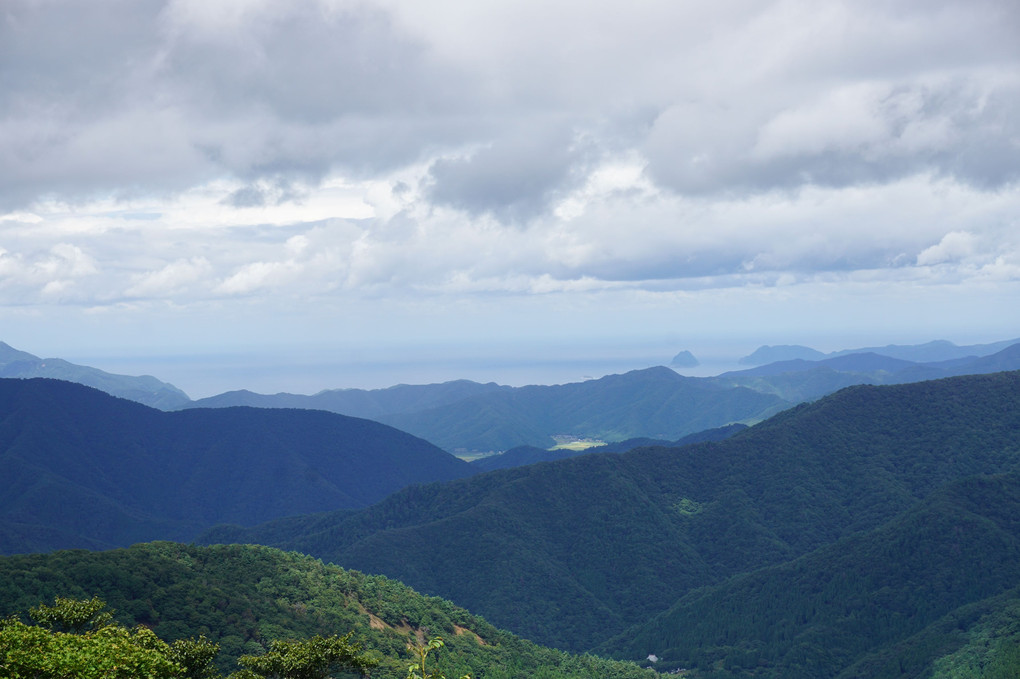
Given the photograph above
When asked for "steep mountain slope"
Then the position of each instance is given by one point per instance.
(570, 553)
(242, 597)
(655, 403)
(144, 389)
(80, 468)
(840, 609)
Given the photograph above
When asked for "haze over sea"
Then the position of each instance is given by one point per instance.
(207, 374)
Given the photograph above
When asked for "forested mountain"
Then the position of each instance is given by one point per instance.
(871, 604)
(651, 403)
(144, 389)
(655, 403)
(573, 552)
(466, 416)
(84, 469)
(243, 597)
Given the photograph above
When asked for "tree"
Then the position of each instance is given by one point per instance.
(315, 658)
(72, 615)
(418, 669)
(110, 652)
(77, 638)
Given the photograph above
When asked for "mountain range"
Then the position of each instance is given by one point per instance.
(597, 550)
(798, 380)
(471, 419)
(929, 352)
(466, 417)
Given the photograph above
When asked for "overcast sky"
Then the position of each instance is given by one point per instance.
(399, 180)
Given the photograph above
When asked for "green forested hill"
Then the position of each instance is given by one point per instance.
(654, 403)
(845, 609)
(573, 552)
(242, 597)
(80, 468)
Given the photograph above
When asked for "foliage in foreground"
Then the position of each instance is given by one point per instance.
(77, 638)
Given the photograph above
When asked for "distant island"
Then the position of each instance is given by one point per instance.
(684, 359)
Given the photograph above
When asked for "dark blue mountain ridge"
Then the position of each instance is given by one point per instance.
(77, 462)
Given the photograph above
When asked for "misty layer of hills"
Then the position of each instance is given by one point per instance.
(651, 403)
(465, 417)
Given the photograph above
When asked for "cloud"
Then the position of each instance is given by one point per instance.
(508, 102)
(170, 280)
(515, 178)
(954, 246)
(370, 154)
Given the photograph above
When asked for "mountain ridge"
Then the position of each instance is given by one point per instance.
(697, 515)
(112, 471)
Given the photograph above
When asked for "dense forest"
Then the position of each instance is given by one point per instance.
(245, 597)
(576, 552)
(85, 469)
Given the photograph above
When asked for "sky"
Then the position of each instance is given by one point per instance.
(306, 194)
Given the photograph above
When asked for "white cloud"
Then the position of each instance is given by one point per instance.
(171, 279)
(955, 246)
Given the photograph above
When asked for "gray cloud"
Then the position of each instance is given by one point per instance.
(737, 98)
(515, 178)
(756, 139)
(165, 95)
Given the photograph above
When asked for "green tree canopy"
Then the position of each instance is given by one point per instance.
(315, 658)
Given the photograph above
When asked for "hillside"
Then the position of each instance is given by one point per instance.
(84, 469)
(242, 597)
(465, 416)
(573, 552)
(654, 403)
(145, 389)
(842, 610)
